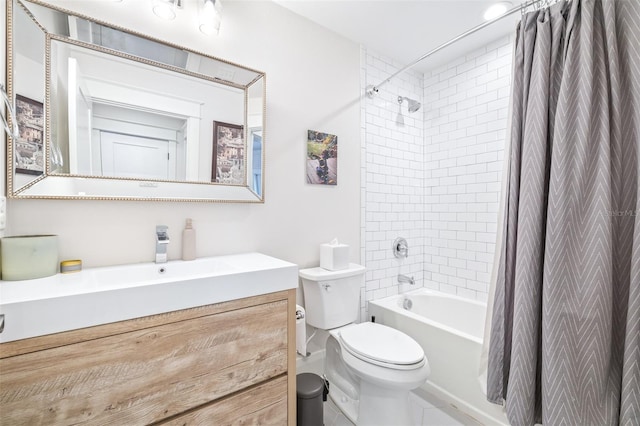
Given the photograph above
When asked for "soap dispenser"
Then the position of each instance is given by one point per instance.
(188, 242)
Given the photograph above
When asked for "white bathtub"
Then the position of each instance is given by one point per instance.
(450, 329)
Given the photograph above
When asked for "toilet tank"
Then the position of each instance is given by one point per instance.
(332, 298)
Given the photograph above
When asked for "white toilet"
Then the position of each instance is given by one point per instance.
(370, 367)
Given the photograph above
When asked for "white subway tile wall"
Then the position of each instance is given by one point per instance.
(466, 109)
(392, 196)
(436, 180)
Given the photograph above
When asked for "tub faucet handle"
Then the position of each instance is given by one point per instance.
(400, 248)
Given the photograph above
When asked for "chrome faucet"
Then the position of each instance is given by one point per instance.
(405, 279)
(162, 241)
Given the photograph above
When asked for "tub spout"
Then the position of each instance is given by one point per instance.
(405, 279)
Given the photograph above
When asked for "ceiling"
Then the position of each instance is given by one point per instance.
(405, 30)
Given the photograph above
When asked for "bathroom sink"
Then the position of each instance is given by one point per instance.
(97, 296)
(153, 272)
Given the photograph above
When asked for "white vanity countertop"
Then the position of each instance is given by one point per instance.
(97, 296)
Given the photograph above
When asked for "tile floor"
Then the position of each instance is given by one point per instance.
(427, 411)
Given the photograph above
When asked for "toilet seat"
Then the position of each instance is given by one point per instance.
(383, 346)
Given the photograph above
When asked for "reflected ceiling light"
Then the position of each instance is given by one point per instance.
(165, 9)
(209, 12)
(496, 10)
(210, 16)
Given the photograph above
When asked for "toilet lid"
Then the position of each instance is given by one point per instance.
(382, 344)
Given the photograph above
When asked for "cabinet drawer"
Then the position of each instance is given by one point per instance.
(266, 404)
(146, 375)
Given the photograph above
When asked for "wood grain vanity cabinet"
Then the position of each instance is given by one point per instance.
(222, 364)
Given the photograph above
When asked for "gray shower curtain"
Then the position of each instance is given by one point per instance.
(565, 334)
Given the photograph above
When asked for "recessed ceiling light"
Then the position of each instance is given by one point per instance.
(496, 10)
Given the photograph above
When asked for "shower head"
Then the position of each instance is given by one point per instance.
(412, 104)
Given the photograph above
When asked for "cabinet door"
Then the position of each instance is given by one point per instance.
(265, 404)
(146, 375)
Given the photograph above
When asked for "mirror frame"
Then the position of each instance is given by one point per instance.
(162, 190)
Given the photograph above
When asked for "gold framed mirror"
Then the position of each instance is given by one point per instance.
(106, 113)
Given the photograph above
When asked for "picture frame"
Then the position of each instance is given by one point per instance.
(322, 158)
(228, 156)
(29, 146)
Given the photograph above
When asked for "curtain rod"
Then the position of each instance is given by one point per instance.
(373, 90)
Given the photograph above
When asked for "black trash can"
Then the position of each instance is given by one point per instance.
(309, 389)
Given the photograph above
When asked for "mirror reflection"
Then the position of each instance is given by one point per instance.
(124, 118)
(126, 108)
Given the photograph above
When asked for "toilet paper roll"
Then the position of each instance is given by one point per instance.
(301, 331)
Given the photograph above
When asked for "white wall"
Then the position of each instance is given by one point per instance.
(465, 128)
(312, 83)
(392, 178)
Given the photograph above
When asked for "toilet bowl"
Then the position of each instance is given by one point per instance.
(371, 367)
(386, 365)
